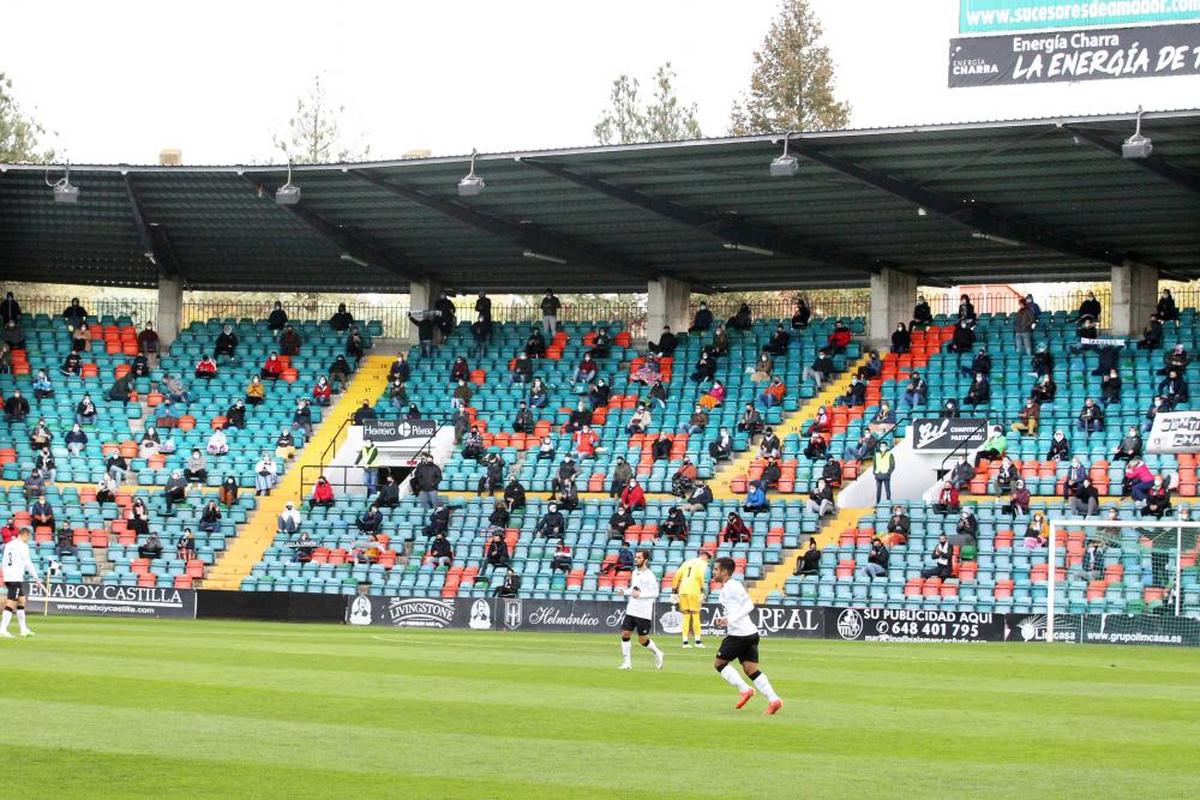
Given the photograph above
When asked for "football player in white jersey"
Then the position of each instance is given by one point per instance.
(15, 563)
(741, 641)
(639, 610)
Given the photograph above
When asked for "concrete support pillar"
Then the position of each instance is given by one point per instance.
(1134, 297)
(893, 295)
(666, 304)
(421, 295)
(170, 309)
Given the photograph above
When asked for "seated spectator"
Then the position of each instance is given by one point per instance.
(705, 370)
(1006, 475)
(947, 499)
(255, 391)
(872, 368)
(264, 475)
(839, 340)
(949, 409)
(898, 527)
(521, 371)
(440, 553)
(81, 337)
(41, 513)
(736, 530)
(992, 449)
(302, 417)
(877, 561)
(817, 448)
(684, 478)
(741, 320)
(769, 446)
(568, 495)
(322, 494)
(966, 531)
(1036, 532)
(1152, 334)
(963, 338)
(675, 526)
(493, 480)
(389, 493)
(633, 497)
(1110, 389)
(176, 391)
(75, 440)
(619, 522)
(699, 499)
(661, 449)
(1018, 501)
(511, 586)
(696, 423)
(289, 519)
(714, 397)
(1138, 480)
(658, 393)
(1091, 417)
(210, 518)
(116, 466)
(771, 474)
(370, 521)
(1174, 389)
(720, 343)
(196, 470)
(599, 394)
(1166, 309)
(1130, 447)
(861, 449)
(228, 491)
(539, 394)
(460, 370)
(552, 525)
(439, 520)
(751, 421)
(185, 548)
(1158, 499)
(235, 417)
(901, 339)
(342, 319)
(772, 395)
(763, 369)
(916, 391)
(702, 320)
(580, 418)
(72, 367)
(285, 445)
(980, 391)
(226, 344)
(943, 558)
(1028, 418)
(623, 562)
(152, 548)
(523, 422)
(561, 560)
(217, 444)
(820, 499)
(339, 373)
(175, 490)
(322, 393)
(535, 345)
(883, 421)
(1060, 447)
(85, 410)
(756, 498)
(497, 554)
(289, 342)
(820, 370)
(961, 474)
(546, 450)
(35, 484)
(856, 394)
(722, 448)
(473, 447)
(640, 421)
(809, 562)
(1085, 500)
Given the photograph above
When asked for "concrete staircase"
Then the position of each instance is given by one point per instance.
(828, 534)
(791, 423)
(258, 532)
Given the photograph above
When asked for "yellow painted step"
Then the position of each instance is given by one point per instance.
(258, 532)
(828, 534)
(791, 423)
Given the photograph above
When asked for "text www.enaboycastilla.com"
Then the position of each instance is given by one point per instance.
(66, 608)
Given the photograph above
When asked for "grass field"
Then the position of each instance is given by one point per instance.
(119, 708)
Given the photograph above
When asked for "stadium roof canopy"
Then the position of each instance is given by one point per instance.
(1039, 200)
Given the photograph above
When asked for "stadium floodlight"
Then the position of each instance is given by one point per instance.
(543, 256)
(289, 193)
(471, 184)
(991, 237)
(1137, 146)
(785, 166)
(353, 259)
(748, 248)
(64, 192)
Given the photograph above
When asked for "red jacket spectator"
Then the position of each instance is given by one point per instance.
(1140, 474)
(585, 443)
(322, 391)
(633, 496)
(322, 493)
(272, 367)
(776, 390)
(839, 339)
(736, 529)
(206, 367)
(9, 531)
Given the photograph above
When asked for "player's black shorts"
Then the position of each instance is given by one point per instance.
(639, 624)
(739, 648)
(15, 589)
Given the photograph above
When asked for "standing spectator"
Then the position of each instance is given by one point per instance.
(550, 308)
(264, 475)
(1023, 323)
(877, 561)
(702, 320)
(366, 458)
(10, 311)
(226, 343)
(1110, 388)
(1166, 310)
(803, 314)
(277, 319)
(621, 475)
(885, 465)
(175, 491)
(425, 480)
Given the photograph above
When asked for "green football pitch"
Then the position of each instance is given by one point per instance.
(119, 708)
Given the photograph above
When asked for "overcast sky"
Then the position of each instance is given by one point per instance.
(118, 82)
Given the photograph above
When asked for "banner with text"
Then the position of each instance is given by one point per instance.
(946, 435)
(1065, 56)
(998, 16)
(114, 601)
(1175, 432)
(399, 431)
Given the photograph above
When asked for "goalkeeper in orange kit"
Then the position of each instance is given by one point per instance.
(688, 585)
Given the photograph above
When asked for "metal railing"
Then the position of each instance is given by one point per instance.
(844, 303)
(962, 447)
(393, 317)
(325, 466)
(138, 310)
(945, 301)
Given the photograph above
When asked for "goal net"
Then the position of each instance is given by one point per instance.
(1121, 581)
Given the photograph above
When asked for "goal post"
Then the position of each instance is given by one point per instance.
(1141, 585)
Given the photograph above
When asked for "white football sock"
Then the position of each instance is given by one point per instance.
(5, 619)
(731, 676)
(21, 620)
(626, 649)
(764, 686)
(652, 647)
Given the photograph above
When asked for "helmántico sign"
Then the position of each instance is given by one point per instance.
(1000, 16)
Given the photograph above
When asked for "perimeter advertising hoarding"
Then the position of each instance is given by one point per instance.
(1079, 55)
(97, 600)
(1063, 56)
(938, 435)
(999, 16)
